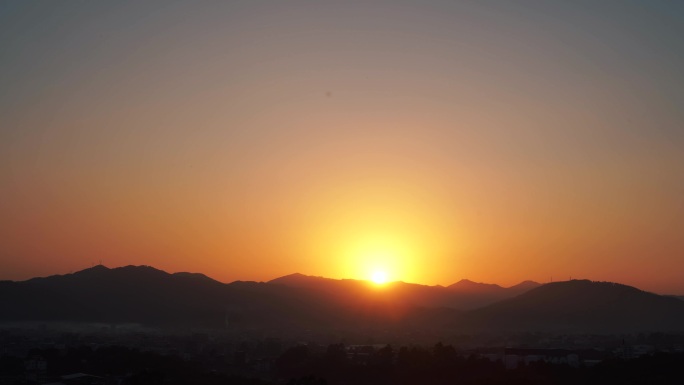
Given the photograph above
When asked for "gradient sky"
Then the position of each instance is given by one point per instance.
(432, 140)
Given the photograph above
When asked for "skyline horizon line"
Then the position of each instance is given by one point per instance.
(368, 280)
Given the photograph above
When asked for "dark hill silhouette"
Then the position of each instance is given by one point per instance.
(466, 285)
(522, 287)
(463, 295)
(351, 290)
(362, 300)
(142, 294)
(582, 306)
(138, 294)
(145, 295)
(470, 295)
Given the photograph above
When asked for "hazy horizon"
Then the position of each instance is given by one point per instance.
(427, 141)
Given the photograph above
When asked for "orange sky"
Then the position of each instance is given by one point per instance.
(430, 141)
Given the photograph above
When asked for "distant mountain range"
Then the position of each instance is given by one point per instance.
(463, 295)
(145, 295)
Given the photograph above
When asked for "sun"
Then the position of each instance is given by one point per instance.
(379, 277)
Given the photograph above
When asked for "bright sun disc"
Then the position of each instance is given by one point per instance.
(379, 277)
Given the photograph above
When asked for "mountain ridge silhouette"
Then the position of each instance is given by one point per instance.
(582, 305)
(145, 295)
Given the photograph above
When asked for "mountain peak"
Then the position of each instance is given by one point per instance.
(103, 272)
(94, 269)
(524, 286)
(470, 286)
(583, 305)
(294, 275)
(297, 279)
(137, 268)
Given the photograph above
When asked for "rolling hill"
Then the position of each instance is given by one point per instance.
(581, 306)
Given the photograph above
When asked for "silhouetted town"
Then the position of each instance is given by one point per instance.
(98, 354)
